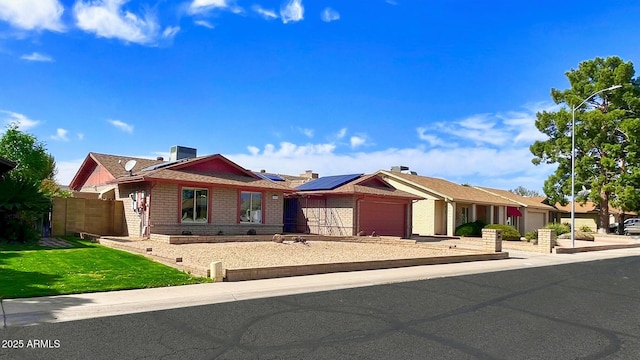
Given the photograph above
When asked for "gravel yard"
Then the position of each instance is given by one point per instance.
(238, 255)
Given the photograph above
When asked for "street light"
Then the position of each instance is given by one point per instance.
(573, 161)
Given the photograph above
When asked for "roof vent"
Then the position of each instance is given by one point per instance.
(400, 168)
(160, 158)
(182, 152)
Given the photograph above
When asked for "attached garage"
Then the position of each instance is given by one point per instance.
(383, 218)
(534, 221)
(349, 205)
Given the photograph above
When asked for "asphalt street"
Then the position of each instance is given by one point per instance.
(586, 310)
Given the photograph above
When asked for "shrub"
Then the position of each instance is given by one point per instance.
(559, 228)
(531, 235)
(470, 229)
(585, 228)
(508, 231)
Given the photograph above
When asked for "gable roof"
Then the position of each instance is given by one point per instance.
(528, 202)
(113, 164)
(205, 170)
(448, 190)
(200, 171)
(371, 184)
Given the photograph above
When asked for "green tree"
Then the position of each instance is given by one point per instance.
(522, 191)
(607, 128)
(21, 205)
(34, 163)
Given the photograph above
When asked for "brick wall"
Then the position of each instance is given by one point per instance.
(331, 216)
(132, 219)
(223, 208)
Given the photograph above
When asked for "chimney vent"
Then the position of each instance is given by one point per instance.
(309, 174)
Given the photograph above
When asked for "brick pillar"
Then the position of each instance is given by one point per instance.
(492, 240)
(546, 240)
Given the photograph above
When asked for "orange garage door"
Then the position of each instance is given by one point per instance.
(384, 218)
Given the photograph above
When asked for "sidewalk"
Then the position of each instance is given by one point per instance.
(83, 306)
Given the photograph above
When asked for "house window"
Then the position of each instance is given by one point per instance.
(195, 205)
(465, 215)
(250, 207)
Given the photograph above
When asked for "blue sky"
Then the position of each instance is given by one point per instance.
(448, 88)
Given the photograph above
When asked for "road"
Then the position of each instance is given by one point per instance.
(586, 310)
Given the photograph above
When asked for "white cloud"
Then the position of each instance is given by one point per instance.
(66, 170)
(24, 123)
(292, 12)
(170, 31)
(204, 23)
(341, 134)
(267, 14)
(357, 141)
(431, 139)
(37, 57)
(307, 132)
(80, 136)
(122, 125)
(201, 6)
(107, 19)
(329, 15)
(32, 14)
(61, 135)
(510, 167)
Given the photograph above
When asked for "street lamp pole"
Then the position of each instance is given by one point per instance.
(573, 160)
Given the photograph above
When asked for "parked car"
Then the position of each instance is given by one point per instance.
(632, 221)
(631, 226)
(613, 227)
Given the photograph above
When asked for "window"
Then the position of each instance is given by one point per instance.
(465, 215)
(250, 207)
(195, 205)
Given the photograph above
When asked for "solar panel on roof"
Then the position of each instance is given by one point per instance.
(160, 166)
(328, 182)
(272, 177)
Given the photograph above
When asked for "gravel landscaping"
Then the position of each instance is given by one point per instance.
(239, 255)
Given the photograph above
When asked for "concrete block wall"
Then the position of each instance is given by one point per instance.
(546, 240)
(492, 240)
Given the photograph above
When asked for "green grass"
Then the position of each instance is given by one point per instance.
(31, 270)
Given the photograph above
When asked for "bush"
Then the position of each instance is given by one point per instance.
(559, 228)
(531, 235)
(508, 231)
(470, 229)
(585, 228)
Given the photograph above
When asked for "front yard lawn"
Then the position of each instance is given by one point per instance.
(32, 270)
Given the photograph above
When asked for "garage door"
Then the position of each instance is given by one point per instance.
(387, 219)
(535, 221)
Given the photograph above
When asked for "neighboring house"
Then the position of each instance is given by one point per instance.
(588, 214)
(349, 205)
(446, 205)
(6, 165)
(529, 215)
(205, 195)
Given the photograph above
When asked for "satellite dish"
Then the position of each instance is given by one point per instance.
(129, 165)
